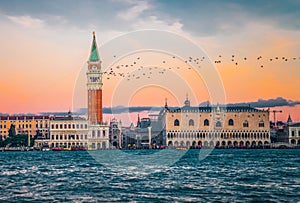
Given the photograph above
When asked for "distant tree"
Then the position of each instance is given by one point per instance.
(12, 131)
(16, 141)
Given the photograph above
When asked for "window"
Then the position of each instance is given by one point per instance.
(93, 134)
(206, 122)
(191, 122)
(218, 124)
(245, 124)
(230, 122)
(103, 133)
(261, 124)
(293, 133)
(176, 122)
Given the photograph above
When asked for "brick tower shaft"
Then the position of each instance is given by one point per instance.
(94, 85)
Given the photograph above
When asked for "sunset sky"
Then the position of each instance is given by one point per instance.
(45, 45)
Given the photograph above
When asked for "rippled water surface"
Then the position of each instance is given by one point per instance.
(224, 175)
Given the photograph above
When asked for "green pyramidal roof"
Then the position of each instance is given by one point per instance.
(94, 52)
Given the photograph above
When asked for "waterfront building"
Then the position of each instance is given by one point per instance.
(216, 126)
(68, 131)
(72, 132)
(146, 134)
(293, 132)
(115, 134)
(33, 125)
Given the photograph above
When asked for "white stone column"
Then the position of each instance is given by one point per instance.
(149, 136)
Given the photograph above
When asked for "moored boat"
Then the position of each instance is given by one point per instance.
(57, 149)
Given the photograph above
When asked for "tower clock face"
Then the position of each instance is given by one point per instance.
(94, 79)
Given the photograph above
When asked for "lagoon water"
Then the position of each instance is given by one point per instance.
(225, 175)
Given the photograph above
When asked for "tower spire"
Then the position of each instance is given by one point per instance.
(289, 121)
(94, 55)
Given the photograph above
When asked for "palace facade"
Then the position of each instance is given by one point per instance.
(216, 126)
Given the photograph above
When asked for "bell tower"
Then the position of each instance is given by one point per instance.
(94, 85)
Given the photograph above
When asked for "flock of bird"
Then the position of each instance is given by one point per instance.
(139, 71)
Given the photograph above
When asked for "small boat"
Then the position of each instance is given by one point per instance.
(78, 148)
(181, 148)
(45, 149)
(57, 149)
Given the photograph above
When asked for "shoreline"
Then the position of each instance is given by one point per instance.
(283, 146)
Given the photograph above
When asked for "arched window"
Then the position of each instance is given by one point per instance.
(230, 122)
(245, 124)
(206, 122)
(218, 124)
(261, 124)
(176, 122)
(191, 122)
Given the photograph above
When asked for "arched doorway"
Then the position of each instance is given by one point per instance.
(211, 144)
(223, 143)
(199, 143)
(176, 144)
(235, 144)
(103, 145)
(170, 143)
(205, 144)
(182, 143)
